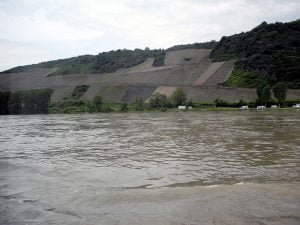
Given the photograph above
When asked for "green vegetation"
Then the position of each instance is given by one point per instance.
(280, 91)
(69, 107)
(158, 100)
(178, 97)
(204, 45)
(79, 91)
(106, 108)
(242, 78)
(5, 102)
(222, 103)
(123, 107)
(105, 62)
(97, 101)
(269, 52)
(139, 104)
(25, 102)
(263, 92)
(266, 94)
(218, 105)
(159, 59)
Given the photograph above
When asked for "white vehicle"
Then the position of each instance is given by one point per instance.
(274, 106)
(297, 106)
(182, 107)
(261, 107)
(244, 107)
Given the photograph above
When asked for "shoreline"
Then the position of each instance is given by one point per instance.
(175, 110)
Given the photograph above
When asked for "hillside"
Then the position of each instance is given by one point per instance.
(105, 62)
(108, 62)
(228, 70)
(268, 53)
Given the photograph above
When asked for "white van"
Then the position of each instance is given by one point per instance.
(244, 107)
(261, 107)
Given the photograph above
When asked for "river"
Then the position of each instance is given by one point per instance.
(182, 168)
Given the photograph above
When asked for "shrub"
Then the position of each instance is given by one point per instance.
(123, 107)
(98, 102)
(280, 91)
(139, 104)
(178, 97)
(158, 100)
(79, 91)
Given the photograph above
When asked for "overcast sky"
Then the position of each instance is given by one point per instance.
(32, 31)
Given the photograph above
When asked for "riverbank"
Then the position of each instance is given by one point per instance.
(83, 107)
(116, 108)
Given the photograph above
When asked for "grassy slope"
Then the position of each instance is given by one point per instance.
(269, 52)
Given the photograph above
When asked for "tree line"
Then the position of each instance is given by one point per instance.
(264, 93)
(38, 101)
(25, 102)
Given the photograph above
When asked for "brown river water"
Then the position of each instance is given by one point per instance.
(182, 168)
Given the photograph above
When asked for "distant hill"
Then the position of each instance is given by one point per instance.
(105, 62)
(108, 62)
(268, 53)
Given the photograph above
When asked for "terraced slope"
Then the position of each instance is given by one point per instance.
(190, 69)
(221, 74)
(213, 68)
(186, 57)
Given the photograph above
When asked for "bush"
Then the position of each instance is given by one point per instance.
(79, 91)
(280, 91)
(139, 104)
(97, 101)
(106, 108)
(124, 107)
(178, 97)
(158, 100)
(221, 103)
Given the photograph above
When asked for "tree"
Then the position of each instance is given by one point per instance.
(106, 108)
(90, 107)
(4, 102)
(190, 102)
(259, 90)
(124, 107)
(159, 100)
(139, 104)
(266, 94)
(178, 97)
(98, 102)
(280, 90)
